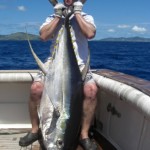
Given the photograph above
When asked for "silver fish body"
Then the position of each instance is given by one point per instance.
(64, 91)
(61, 104)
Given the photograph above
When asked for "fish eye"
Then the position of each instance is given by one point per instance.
(59, 143)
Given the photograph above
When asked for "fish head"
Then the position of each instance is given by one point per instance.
(57, 145)
(60, 143)
(55, 140)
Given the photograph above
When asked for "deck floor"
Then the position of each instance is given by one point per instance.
(9, 141)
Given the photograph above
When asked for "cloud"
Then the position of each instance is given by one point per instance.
(139, 29)
(111, 30)
(21, 8)
(123, 26)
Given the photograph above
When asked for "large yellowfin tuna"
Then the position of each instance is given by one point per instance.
(60, 109)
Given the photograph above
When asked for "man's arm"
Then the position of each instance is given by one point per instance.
(48, 30)
(87, 28)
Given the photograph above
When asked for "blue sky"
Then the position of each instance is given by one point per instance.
(118, 18)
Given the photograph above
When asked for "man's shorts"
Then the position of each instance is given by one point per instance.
(40, 76)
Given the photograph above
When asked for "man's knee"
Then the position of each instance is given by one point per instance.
(90, 91)
(36, 90)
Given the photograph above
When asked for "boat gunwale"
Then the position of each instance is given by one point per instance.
(133, 81)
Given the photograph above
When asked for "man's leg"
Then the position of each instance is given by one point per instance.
(34, 101)
(35, 97)
(89, 105)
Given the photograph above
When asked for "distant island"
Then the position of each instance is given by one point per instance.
(22, 36)
(128, 39)
(19, 36)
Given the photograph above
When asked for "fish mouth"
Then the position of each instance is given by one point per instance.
(58, 145)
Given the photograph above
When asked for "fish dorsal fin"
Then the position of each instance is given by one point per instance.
(39, 62)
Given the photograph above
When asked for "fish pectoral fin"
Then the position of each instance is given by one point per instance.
(86, 67)
(53, 123)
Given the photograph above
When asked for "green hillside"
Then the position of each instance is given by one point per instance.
(19, 36)
(128, 39)
(22, 36)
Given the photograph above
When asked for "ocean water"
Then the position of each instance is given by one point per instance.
(132, 58)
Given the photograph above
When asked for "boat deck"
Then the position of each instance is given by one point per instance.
(9, 141)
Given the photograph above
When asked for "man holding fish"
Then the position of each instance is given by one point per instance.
(83, 28)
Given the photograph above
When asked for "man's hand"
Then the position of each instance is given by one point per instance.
(58, 9)
(77, 7)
